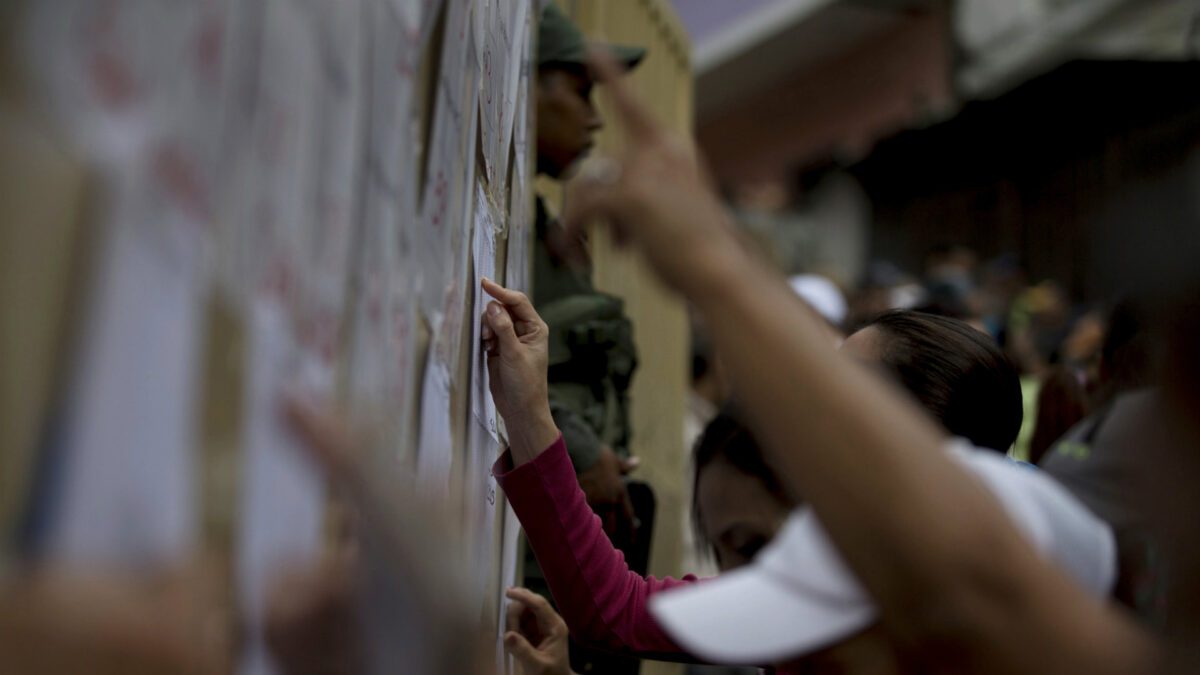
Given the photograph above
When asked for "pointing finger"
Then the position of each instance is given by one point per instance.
(634, 115)
(516, 302)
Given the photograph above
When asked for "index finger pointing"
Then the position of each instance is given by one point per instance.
(634, 114)
(531, 599)
(516, 302)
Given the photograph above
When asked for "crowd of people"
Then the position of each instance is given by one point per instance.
(1056, 344)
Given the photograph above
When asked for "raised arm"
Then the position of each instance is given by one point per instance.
(603, 602)
(930, 544)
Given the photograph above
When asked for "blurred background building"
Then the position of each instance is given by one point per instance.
(851, 131)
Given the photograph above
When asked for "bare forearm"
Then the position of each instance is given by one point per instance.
(530, 433)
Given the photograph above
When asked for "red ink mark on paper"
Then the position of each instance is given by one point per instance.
(278, 281)
(208, 48)
(113, 83)
(441, 196)
(109, 75)
(181, 181)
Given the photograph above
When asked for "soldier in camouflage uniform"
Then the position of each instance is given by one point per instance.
(591, 352)
(592, 356)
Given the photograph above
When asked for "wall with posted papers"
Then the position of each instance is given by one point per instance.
(282, 197)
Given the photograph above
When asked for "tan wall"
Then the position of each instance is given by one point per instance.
(659, 388)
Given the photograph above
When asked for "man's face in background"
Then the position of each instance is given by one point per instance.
(566, 118)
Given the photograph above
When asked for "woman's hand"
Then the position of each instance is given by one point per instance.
(516, 341)
(655, 195)
(537, 635)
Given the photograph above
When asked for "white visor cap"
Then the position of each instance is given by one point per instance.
(798, 596)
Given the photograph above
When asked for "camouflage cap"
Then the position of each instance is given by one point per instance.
(561, 41)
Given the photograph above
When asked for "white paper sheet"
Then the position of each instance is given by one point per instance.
(522, 121)
(391, 159)
(109, 72)
(325, 249)
(371, 367)
(435, 449)
(448, 321)
(514, 38)
(481, 494)
(517, 271)
(139, 111)
(449, 167)
(483, 407)
(127, 492)
(492, 70)
(275, 198)
(282, 494)
(383, 319)
(428, 12)
(509, 559)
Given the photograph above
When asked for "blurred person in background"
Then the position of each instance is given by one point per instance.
(954, 264)
(1081, 351)
(1038, 322)
(1103, 460)
(884, 287)
(1001, 280)
(949, 284)
(1067, 387)
(825, 298)
(1061, 403)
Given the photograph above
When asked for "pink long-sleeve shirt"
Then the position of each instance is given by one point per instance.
(603, 602)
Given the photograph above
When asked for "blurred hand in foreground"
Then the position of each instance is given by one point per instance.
(655, 195)
(62, 621)
(312, 620)
(396, 601)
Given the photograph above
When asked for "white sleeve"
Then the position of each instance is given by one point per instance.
(1057, 524)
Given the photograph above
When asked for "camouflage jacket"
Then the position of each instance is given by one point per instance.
(592, 356)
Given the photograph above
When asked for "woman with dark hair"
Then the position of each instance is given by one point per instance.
(958, 374)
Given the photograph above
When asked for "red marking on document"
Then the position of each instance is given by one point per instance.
(487, 67)
(113, 83)
(208, 48)
(374, 301)
(442, 198)
(278, 281)
(110, 77)
(181, 181)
